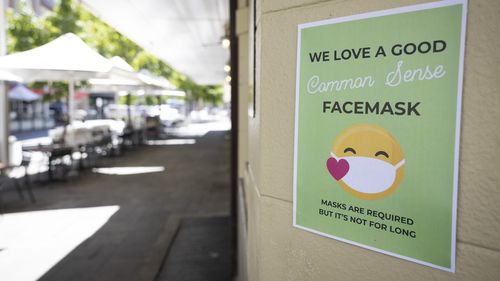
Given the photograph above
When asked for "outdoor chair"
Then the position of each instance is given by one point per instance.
(60, 157)
(100, 147)
(128, 137)
(15, 171)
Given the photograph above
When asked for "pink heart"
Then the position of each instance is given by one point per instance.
(338, 169)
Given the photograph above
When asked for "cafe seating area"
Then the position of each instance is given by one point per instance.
(73, 148)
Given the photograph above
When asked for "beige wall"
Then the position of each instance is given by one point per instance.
(273, 249)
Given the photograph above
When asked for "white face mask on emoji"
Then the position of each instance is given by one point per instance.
(369, 175)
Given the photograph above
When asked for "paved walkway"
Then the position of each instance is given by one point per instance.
(133, 217)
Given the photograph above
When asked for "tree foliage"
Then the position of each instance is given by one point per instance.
(26, 31)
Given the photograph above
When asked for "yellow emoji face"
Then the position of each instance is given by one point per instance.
(367, 161)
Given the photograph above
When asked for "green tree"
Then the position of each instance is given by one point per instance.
(27, 31)
(105, 40)
(145, 60)
(24, 31)
(65, 18)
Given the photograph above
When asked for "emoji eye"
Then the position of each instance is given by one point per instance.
(350, 149)
(382, 153)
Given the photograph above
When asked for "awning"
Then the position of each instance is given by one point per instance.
(187, 34)
(21, 93)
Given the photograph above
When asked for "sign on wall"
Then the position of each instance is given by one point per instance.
(377, 130)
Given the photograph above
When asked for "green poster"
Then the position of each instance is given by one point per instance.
(377, 130)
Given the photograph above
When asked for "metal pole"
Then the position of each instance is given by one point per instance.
(129, 111)
(4, 100)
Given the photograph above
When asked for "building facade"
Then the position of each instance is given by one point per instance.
(270, 248)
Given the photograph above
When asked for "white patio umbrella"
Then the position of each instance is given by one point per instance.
(120, 77)
(66, 58)
(123, 77)
(156, 82)
(7, 76)
(120, 63)
(20, 92)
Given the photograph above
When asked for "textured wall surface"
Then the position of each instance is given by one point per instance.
(276, 250)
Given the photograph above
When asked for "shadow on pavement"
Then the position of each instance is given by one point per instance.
(200, 251)
(153, 208)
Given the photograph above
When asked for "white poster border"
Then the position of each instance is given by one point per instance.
(401, 10)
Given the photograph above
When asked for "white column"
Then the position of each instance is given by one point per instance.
(4, 101)
(71, 101)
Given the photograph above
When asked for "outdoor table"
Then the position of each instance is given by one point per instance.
(53, 151)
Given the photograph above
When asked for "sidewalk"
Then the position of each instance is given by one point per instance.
(142, 209)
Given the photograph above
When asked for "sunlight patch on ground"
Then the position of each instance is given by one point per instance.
(120, 171)
(33, 242)
(200, 129)
(171, 142)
